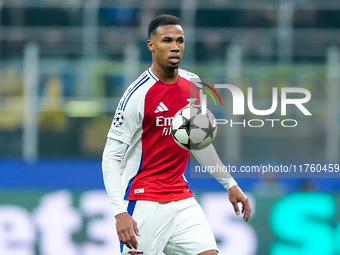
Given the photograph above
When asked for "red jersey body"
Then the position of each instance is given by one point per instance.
(154, 165)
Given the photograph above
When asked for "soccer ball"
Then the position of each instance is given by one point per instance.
(193, 130)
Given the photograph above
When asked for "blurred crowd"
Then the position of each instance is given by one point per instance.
(57, 26)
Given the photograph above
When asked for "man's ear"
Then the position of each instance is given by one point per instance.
(150, 45)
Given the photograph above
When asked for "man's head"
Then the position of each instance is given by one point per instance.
(166, 41)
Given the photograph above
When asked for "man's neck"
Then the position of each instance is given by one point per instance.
(167, 76)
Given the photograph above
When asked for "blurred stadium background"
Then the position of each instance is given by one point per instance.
(64, 65)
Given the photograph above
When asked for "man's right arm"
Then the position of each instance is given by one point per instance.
(112, 156)
(126, 226)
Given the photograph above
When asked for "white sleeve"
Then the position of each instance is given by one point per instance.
(112, 157)
(208, 157)
(128, 117)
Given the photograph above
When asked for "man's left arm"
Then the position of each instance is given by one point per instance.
(208, 157)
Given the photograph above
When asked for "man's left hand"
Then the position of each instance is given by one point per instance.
(236, 195)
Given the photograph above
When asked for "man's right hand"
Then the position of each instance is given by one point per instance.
(127, 230)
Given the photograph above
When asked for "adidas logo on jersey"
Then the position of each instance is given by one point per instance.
(161, 108)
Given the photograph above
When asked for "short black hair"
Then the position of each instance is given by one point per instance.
(162, 20)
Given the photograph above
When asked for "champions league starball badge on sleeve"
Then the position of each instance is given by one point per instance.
(118, 119)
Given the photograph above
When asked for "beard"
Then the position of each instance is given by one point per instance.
(173, 67)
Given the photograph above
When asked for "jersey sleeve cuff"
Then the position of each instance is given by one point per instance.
(230, 183)
(119, 211)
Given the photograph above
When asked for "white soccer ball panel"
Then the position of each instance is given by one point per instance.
(186, 113)
(182, 136)
(197, 135)
(189, 112)
(201, 121)
(211, 118)
(194, 111)
(177, 122)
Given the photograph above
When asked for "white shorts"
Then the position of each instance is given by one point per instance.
(175, 228)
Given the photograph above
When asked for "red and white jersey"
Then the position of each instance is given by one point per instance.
(153, 166)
